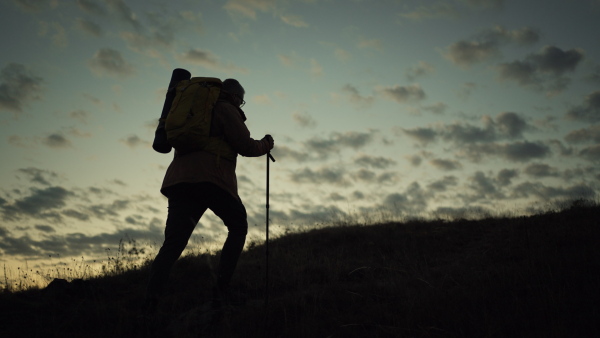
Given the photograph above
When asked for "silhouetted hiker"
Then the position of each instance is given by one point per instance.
(201, 180)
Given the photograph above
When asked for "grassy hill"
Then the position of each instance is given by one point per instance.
(534, 276)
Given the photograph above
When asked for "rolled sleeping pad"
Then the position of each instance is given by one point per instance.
(161, 144)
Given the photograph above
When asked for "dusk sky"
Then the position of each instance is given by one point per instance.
(385, 107)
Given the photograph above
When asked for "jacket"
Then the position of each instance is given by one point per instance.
(203, 166)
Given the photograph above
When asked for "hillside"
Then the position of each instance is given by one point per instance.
(534, 276)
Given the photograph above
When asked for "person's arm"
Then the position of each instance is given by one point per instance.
(238, 135)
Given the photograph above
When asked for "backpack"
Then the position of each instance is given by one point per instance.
(187, 124)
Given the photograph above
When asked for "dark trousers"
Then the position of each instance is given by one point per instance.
(187, 203)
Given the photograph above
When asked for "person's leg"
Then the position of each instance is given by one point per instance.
(184, 213)
(233, 213)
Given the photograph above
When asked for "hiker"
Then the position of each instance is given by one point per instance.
(200, 180)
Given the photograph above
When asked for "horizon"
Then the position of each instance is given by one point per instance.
(407, 107)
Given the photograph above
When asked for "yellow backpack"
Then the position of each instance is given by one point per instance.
(188, 123)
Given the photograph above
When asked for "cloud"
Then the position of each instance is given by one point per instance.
(543, 70)
(343, 55)
(436, 108)
(18, 86)
(522, 151)
(365, 43)
(110, 62)
(356, 98)
(41, 176)
(304, 120)
(590, 134)
(91, 7)
(280, 152)
(377, 162)
(35, 6)
(445, 165)
(404, 94)
(45, 228)
(41, 203)
(443, 184)
(323, 175)
(548, 193)
(56, 140)
(124, 13)
(76, 214)
(591, 153)
(239, 9)
(423, 136)
(80, 115)
(589, 111)
(134, 141)
(511, 124)
(486, 45)
(506, 125)
(208, 60)
(485, 3)
(316, 70)
(73, 244)
(505, 176)
(294, 20)
(556, 61)
(540, 170)
(484, 186)
(435, 10)
(59, 38)
(89, 27)
(337, 141)
(413, 200)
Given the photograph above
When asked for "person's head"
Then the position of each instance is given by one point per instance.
(235, 92)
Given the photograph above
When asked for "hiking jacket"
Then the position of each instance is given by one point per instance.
(202, 166)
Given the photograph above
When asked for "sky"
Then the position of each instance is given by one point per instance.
(379, 110)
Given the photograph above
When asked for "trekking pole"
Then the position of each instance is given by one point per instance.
(269, 157)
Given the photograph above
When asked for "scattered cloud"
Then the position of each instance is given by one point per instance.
(56, 140)
(356, 98)
(540, 170)
(110, 62)
(445, 165)
(40, 176)
(436, 108)
(323, 175)
(124, 13)
(486, 45)
(55, 31)
(543, 70)
(365, 43)
(35, 6)
(506, 176)
(208, 60)
(377, 162)
(18, 86)
(419, 70)
(589, 111)
(432, 11)
(316, 70)
(40, 203)
(91, 7)
(135, 141)
(304, 120)
(588, 134)
(547, 193)
(404, 94)
(89, 27)
(334, 144)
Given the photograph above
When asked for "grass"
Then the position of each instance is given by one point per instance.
(534, 276)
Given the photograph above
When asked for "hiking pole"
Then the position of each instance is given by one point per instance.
(269, 157)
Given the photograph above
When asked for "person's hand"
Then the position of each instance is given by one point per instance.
(270, 140)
